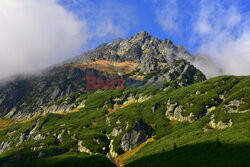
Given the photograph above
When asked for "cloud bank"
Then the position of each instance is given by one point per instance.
(167, 15)
(105, 19)
(35, 34)
(222, 32)
(225, 36)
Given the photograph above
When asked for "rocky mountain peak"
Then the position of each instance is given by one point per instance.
(141, 56)
(139, 48)
(142, 35)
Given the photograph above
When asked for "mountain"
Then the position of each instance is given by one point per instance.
(141, 55)
(166, 113)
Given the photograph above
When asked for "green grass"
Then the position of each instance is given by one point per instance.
(201, 154)
(176, 143)
(64, 160)
(197, 148)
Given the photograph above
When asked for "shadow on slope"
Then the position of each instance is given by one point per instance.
(204, 154)
(63, 160)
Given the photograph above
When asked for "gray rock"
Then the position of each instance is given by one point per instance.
(41, 155)
(59, 137)
(39, 137)
(154, 108)
(116, 132)
(26, 136)
(5, 146)
(30, 96)
(134, 137)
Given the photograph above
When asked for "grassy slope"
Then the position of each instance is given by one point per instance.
(90, 122)
(4, 123)
(189, 145)
(63, 160)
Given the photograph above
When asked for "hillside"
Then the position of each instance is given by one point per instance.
(29, 96)
(169, 115)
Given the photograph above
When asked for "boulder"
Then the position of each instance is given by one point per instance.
(135, 136)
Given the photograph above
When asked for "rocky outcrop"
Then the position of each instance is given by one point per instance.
(5, 146)
(139, 98)
(141, 48)
(116, 131)
(36, 148)
(135, 136)
(39, 137)
(60, 136)
(174, 113)
(66, 108)
(111, 153)
(234, 105)
(154, 108)
(29, 96)
(220, 124)
(28, 133)
(81, 148)
(158, 60)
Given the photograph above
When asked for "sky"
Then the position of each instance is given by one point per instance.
(36, 34)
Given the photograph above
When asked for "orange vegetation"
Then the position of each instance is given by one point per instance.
(4, 123)
(74, 110)
(27, 120)
(110, 110)
(121, 160)
(93, 123)
(138, 77)
(173, 122)
(108, 66)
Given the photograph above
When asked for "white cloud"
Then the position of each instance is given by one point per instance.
(35, 34)
(167, 15)
(228, 39)
(106, 20)
(222, 31)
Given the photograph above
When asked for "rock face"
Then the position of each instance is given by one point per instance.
(39, 137)
(27, 134)
(174, 113)
(157, 60)
(29, 96)
(112, 153)
(116, 132)
(5, 146)
(135, 136)
(151, 55)
(82, 148)
(220, 124)
(141, 48)
(154, 108)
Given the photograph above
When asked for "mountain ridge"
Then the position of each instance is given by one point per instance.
(143, 55)
(53, 119)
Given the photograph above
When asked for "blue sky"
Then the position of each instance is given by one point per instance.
(47, 32)
(219, 29)
(154, 16)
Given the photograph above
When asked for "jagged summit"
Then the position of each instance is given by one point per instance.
(139, 48)
(151, 58)
(61, 116)
(142, 35)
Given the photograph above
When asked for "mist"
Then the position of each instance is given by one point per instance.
(217, 31)
(36, 34)
(225, 37)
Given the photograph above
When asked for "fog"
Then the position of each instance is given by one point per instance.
(35, 34)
